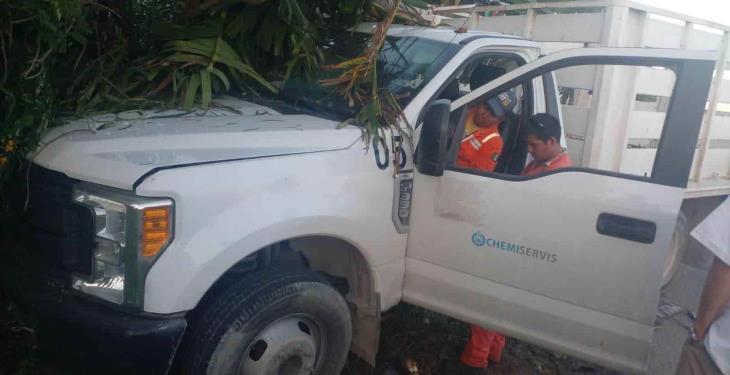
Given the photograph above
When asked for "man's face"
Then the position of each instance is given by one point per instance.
(541, 151)
(484, 116)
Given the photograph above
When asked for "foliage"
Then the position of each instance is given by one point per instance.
(43, 45)
(379, 111)
(61, 57)
(74, 57)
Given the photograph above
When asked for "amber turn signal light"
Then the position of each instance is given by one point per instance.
(155, 230)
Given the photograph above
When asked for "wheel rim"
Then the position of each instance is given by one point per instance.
(292, 345)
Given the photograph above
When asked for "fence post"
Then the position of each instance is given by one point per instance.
(605, 133)
(684, 42)
(529, 24)
(715, 88)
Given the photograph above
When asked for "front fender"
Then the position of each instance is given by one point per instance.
(226, 211)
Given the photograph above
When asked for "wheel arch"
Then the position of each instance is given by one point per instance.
(333, 256)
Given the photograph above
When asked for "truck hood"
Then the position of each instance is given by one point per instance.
(117, 150)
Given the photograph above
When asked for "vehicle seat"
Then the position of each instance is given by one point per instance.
(508, 130)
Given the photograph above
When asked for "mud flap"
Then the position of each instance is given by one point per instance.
(366, 330)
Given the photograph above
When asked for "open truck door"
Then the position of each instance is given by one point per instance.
(570, 259)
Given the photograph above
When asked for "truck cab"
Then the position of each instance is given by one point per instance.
(258, 238)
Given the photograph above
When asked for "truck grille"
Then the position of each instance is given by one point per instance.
(62, 232)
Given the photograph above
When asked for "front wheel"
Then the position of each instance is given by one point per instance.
(271, 323)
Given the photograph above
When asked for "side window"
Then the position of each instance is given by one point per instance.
(474, 74)
(611, 119)
(614, 124)
(490, 133)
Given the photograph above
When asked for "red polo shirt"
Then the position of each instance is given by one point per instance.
(560, 161)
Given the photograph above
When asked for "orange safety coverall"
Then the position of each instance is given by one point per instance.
(480, 150)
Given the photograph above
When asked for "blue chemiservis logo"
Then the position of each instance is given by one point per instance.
(479, 239)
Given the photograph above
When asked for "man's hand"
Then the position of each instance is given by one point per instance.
(715, 296)
(699, 330)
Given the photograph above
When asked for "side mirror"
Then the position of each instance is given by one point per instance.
(431, 153)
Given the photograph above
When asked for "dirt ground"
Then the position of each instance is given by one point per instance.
(17, 343)
(432, 341)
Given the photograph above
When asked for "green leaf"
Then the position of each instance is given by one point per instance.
(191, 91)
(177, 82)
(349, 6)
(151, 74)
(202, 47)
(222, 77)
(187, 58)
(344, 124)
(171, 31)
(372, 116)
(199, 50)
(205, 86)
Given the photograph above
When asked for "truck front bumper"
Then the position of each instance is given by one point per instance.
(81, 335)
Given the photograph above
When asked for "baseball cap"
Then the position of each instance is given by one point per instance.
(502, 103)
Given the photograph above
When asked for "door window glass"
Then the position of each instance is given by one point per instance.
(476, 73)
(611, 119)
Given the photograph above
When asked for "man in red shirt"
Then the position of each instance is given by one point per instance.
(543, 142)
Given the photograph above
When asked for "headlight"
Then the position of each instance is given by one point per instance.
(130, 233)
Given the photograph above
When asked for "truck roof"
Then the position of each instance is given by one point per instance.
(446, 34)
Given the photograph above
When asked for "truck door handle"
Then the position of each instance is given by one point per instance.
(626, 227)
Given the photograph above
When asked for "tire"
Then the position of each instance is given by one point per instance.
(677, 248)
(271, 322)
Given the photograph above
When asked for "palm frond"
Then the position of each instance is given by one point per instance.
(202, 62)
(379, 110)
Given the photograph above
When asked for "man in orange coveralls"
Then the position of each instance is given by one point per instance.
(481, 146)
(543, 140)
(480, 149)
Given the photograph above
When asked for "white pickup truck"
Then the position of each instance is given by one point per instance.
(256, 238)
